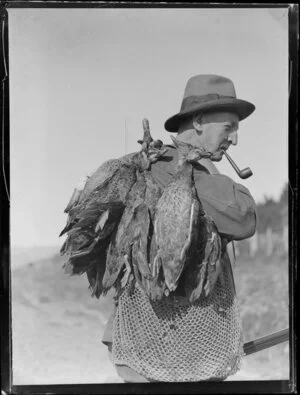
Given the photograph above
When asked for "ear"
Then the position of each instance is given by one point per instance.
(197, 122)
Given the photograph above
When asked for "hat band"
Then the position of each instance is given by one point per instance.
(188, 103)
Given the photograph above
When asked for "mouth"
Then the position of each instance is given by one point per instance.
(224, 148)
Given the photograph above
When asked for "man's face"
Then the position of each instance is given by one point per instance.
(216, 132)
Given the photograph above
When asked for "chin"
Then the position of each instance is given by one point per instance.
(217, 157)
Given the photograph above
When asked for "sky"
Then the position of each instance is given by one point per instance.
(82, 80)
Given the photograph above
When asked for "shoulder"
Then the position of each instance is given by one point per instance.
(163, 170)
(169, 158)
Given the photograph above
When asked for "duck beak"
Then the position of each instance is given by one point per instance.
(156, 144)
(154, 154)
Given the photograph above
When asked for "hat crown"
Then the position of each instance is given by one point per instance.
(209, 92)
(207, 84)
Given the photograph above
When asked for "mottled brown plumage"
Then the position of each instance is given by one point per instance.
(143, 241)
(119, 251)
(155, 287)
(87, 240)
(130, 243)
(177, 220)
(204, 265)
(112, 193)
(114, 181)
(96, 269)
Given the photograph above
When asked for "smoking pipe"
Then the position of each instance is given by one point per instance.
(244, 173)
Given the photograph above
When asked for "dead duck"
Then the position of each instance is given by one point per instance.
(94, 215)
(90, 262)
(117, 179)
(143, 243)
(85, 238)
(129, 245)
(177, 219)
(111, 182)
(119, 254)
(107, 189)
(96, 269)
(131, 242)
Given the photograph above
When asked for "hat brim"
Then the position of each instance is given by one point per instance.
(242, 108)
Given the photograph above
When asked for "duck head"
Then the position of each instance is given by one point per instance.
(156, 150)
(189, 153)
(145, 159)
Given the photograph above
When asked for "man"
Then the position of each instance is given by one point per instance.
(210, 343)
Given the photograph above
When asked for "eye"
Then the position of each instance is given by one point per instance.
(230, 128)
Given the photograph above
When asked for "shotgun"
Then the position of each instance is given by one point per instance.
(266, 341)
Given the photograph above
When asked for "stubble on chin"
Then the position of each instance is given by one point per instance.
(216, 157)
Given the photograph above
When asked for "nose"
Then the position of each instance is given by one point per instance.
(233, 138)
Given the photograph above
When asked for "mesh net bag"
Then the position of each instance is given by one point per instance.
(174, 340)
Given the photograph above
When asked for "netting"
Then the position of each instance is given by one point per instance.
(173, 340)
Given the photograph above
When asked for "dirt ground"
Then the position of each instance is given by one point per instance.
(57, 326)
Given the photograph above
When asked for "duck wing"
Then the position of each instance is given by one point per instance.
(102, 218)
(114, 188)
(80, 261)
(120, 248)
(100, 176)
(153, 193)
(76, 241)
(110, 183)
(195, 271)
(92, 263)
(156, 286)
(177, 211)
(92, 225)
(204, 267)
(95, 273)
(144, 247)
(86, 247)
(213, 252)
(140, 245)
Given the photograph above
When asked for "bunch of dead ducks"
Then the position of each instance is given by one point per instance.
(122, 228)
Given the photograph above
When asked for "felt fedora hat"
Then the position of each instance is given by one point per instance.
(209, 93)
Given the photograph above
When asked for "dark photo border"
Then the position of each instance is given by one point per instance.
(274, 386)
